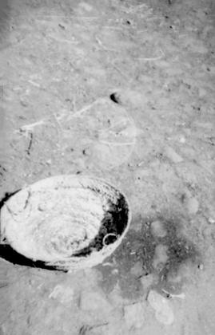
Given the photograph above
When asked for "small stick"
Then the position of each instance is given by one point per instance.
(29, 127)
(30, 143)
(85, 109)
(182, 295)
(153, 58)
(114, 144)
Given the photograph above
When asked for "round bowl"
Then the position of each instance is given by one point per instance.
(67, 222)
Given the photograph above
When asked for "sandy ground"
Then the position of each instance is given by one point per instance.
(124, 91)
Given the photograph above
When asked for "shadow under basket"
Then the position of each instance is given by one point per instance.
(65, 222)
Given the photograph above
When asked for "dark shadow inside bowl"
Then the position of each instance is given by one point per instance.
(112, 227)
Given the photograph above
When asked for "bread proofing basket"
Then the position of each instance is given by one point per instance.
(68, 222)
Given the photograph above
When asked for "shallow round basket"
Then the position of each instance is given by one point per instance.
(68, 222)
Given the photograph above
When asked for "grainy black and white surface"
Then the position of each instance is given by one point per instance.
(122, 90)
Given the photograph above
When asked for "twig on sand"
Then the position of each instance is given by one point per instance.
(56, 121)
(182, 295)
(28, 128)
(85, 328)
(34, 83)
(152, 58)
(82, 110)
(85, 109)
(103, 47)
(30, 144)
(122, 73)
(112, 64)
(64, 40)
(115, 144)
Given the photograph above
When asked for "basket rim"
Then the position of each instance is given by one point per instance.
(63, 179)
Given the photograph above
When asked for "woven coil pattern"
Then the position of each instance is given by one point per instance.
(69, 221)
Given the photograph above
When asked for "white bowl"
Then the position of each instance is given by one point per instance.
(68, 222)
